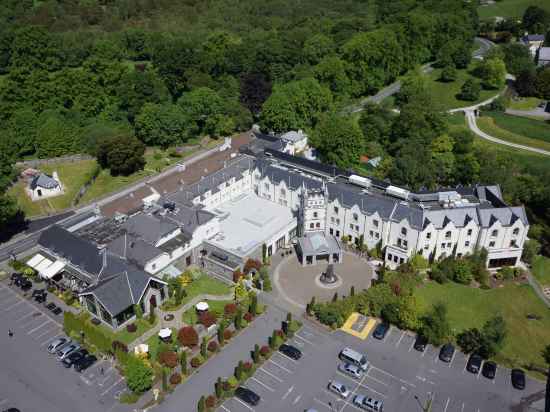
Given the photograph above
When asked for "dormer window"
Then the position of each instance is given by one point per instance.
(315, 214)
(516, 231)
(429, 235)
(375, 223)
(283, 193)
(494, 233)
(448, 235)
(404, 231)
(335, 209)
(355, 217)
(469, 232)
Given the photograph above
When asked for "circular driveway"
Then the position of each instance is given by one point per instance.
(297, 285)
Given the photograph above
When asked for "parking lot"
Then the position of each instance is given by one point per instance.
(35, 380)
(400, 376)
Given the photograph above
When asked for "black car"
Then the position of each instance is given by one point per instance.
(489, 369)
(84, 363)
(446, 353)
(25, 284)
(420, 343)
(381, 330)
(290, 351)
(474, 363)
(15, 276)
(41, 298)
(518, 379)
(51, 306)
(247, 396)
(57, 311)
(74, 357)
(11, 410)
(39, 295)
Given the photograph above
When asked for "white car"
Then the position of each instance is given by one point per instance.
(351, 370)
(58, 344)
(67, 350)
(338, 388)
(368, 404)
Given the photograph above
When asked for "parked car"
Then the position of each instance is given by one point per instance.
(338, 388)
(474, 363)
(15, 275)
(84, 363)
(74, 357)
(57, 311)
(58, 344)
(420, 343)
(369, 404)
(247, 396)
(11, 410)
(290, 351)
(18, 277)
(489, 369)
(381, 330)
(39, 295)
(352, 370)
(518, 379)
(41, 298)
(67, 350)
(446, 353)
(51, 306)
(25, 284)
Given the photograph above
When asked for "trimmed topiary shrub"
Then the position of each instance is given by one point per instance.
(175, 379)
(169, 359)
(197, 361)
(131, 327)
(211, 401)
(119, 346)
(212, 346)
(264, 350)
(230, 309)
(207, 319)
(227, 334)
(248, 317)
(187, 336)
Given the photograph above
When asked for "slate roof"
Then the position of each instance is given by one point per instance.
(368, 203)
(292, 180)
(533, 37)
(544, 53)
(188, 218)
(458, 216)
(293, 136)
(149, 228)
(505, 215)
(133, 249)
(43, 181)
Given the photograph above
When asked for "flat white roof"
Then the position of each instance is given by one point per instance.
(249, 221)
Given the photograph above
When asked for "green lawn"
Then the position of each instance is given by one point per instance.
(154, 343)
(493, 126)
(217, 306)
(470, 307)
(532, 162)
(510, 8)
(444, 94)
(531, 128)
(524, 103)
(541, 270)
(206, 285)
(73, 175)
(126, 337)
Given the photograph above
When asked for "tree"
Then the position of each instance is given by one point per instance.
(517, 58)
(221, 339)
(253, 307)
(12, 219)
(435, 325)
(317, 46)
(448, 74)
(239, 319)
(494, 334)
(139, 376)
(492, 73)
(525, 83)
(256, 354)
(255, 88)
(338, 140)
(122, 155)
(462, 272)
(201, 405)
(161, 125)
(542, 83)
(218, 387)
(331, 72)
(535, 20)
(470, 340)
(531, 249)
(187, 336)
(138, 311)
(204, 352)
(295, 105)
(204, 110)
(470, 90)
(183, 362)
(546, 354)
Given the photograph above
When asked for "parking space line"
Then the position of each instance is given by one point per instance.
(10, 302)
(244, 404)
(286, 357)
(224, 408)
(462, 409)
(412, 346)
(288, 392)
(400, 339)
(280, 366)
(326, 405)
(45, 332)
(376, 380)
(111, 387)
(269, 388)
(270, 374)
(446, 405)
(50, 339)
(394, 377)
(452, 359)
(25, 316)
(38, 327)
(304, 339)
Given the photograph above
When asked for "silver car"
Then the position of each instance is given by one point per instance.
(351, 370)
(67, 350)
(58, 344)
(368, 404)
(338, 388)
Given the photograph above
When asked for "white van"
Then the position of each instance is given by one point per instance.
(354, 357)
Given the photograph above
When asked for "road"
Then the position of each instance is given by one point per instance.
(390, 90)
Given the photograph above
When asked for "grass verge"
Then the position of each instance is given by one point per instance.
(489, 125)
(541, 270)
(469, 307)
(509, 8)
(524, 103)
(216, 306)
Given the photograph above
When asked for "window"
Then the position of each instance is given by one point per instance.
(332, 219)
(405, 243)
(516, 231)
(318, 225)
(448, 235)
(399, 242)
(315, 215)
(283, 192)
(467, 243)
(335, 209)
(449, 245)
(355, 217)
(395, 257)
(351, 226)
(377, 235)
(494, 233)
(389, 256)
(337, 221)
(426, 247)
(401, 261)
(375, 223)
(443, 246)
(404, 231)
(311, 225)
(371, 234)
(337, 233)
(266, 186)
(331, 231)
(429, 235)
(513, 243)
(357, 228)
(469, 232)
(491, 244)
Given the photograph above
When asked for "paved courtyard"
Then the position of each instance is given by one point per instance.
(297, 284)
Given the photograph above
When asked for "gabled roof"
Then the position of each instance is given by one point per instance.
(149, 228)
(292, 180)
(459, 216)
(133, 249)
(43, 181)
(369, 203)
(507, 216)
(533, 37)
(293, 136)
(411, 214)
(187, 217)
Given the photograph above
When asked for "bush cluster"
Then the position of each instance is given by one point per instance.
(132, 328)
(169, 359)
(187, 336)
(212, 346)
(207, 319)
(175, 379)
(197, 361)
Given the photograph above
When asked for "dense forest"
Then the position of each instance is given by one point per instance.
(106, 76)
